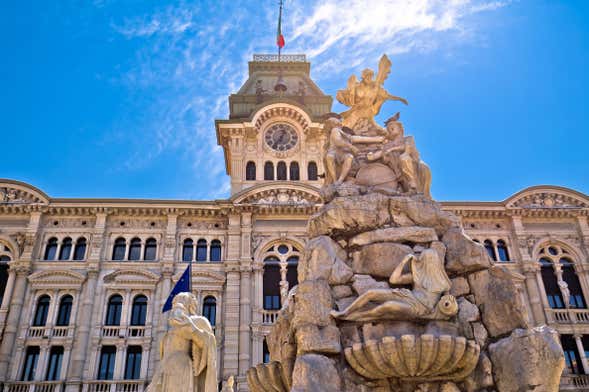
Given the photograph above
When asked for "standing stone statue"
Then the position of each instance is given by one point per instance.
(188, 351)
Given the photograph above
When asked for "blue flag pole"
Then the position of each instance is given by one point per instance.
(183, 285)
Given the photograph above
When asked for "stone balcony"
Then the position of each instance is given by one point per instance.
(114, 386)
(35, 386)
(51, 332)
(269, 316)
(574, 382)
(119, 331)
(567, 316)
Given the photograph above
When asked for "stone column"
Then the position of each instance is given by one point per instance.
(582, 353)
(80, 347)
(119, 361)
(245, 318)
(232, 264)
(531, 271)
(41, 368)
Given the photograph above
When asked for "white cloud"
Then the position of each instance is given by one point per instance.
(193, 55)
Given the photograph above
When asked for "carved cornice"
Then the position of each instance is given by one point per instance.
(131, 277)
(59, 278)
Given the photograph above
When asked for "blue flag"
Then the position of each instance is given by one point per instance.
(182, 286)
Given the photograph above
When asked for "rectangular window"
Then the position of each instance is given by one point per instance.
(571, 355)
(30, 364)
(54, 364)
(133, 364)
(106, 365)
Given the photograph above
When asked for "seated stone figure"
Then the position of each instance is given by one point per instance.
(188, 351)
(430, 282)
(341, 149)
(400, 154)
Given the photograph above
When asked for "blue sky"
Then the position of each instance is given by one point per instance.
(112, 98)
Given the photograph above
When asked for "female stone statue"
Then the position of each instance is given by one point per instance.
(188, 351)
(429, 281)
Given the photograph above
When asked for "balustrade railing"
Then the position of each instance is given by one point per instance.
(114, 386)
(56, 332)
(132, 331)
(568, 316)
(269, 316)
(576, 382)
(35, 386)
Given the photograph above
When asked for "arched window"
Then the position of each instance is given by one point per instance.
(281, 171)
(51, 249)
(572, 280)
(271, 283)
(490, 249)
(106, 365)
(119, 249)
(187, 249)
(250, 171)
(551, 288)
(139, 310)
(66, 249)
(209, 309)
(201, 250)
(41, 312)
(133, 363)
(215, 250)
(150, 249)
(502, 250)
(265, 352)
(64, 312)
(268, 171)
(113, 310)
(291, 271)
(312, 174)
(135, 249)
(294, 171)
(30, 364)
(80, 249)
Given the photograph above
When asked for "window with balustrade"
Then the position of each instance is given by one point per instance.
(133, 363)
(209, 309)
(280, 273)
(41, 311)
(53, 372)
(561, 283)
(64, 311)
(30, 363)
(106, 363)
(113, 310)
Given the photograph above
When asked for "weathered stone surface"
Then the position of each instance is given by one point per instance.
(467, 311)
(482, 377)
(340, 273)
(420, 211)
(480, 334)
(321, 254)
(379, 259)
(376, 174)
(347, 216)
(395, 234)
(315, 373)
(267, 377)
(341, 291)
(459, 287)
(343, 303)
(463, 254)
(528, 360)
(313, 339)
(363, 283)
(499, 300)
(313, 302)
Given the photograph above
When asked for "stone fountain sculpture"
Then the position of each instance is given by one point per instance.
(188, 351)
(392, 294)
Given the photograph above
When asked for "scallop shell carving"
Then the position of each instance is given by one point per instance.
(415, 358)
(267, 377)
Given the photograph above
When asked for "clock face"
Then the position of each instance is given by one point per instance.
(281, 137)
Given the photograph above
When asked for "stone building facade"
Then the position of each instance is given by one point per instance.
(83, 281)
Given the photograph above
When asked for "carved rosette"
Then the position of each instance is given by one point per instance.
(424, 358)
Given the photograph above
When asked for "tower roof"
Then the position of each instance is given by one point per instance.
(264, 71)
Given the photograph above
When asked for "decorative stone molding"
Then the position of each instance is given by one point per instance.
(547, 200)
(131, 278)
(62, 279)
(16, 192)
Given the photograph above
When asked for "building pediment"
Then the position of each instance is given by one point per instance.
(133, 278)
(16, 192)
(56, 279)
(278, 193)
(548, 197)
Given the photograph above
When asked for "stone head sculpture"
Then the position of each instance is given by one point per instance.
(186, 302)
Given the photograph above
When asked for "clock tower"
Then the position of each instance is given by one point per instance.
(273, 137)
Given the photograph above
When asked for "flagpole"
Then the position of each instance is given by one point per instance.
(280, 27)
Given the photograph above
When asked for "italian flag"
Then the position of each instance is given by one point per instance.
(279, 36)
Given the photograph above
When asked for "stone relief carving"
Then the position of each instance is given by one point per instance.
(10, 195)
(291, 197)
(188, 351)
(548, 200)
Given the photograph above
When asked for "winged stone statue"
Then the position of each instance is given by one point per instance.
(365, 97)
